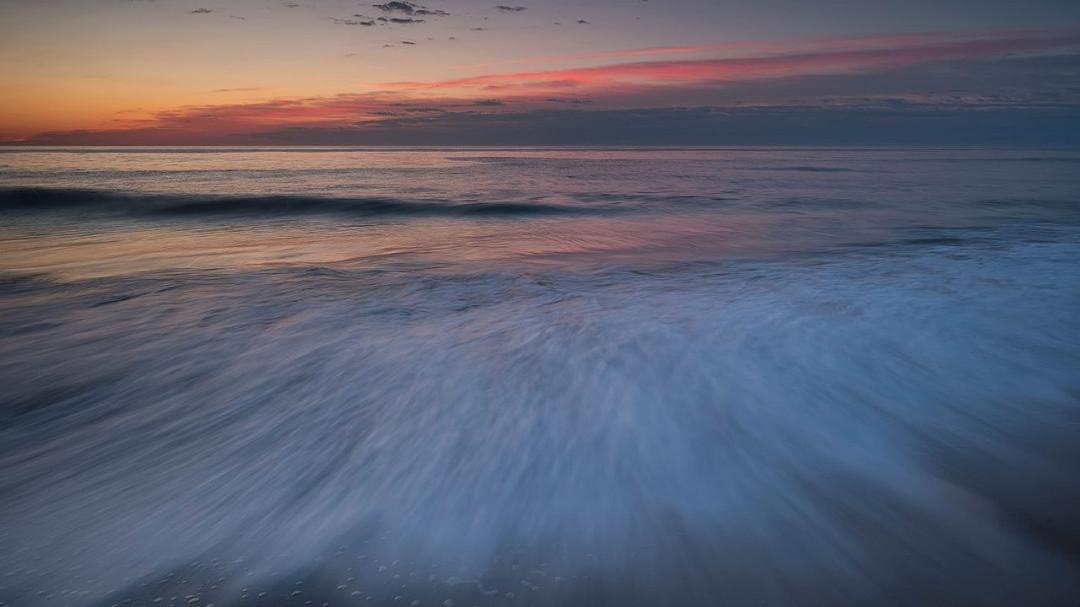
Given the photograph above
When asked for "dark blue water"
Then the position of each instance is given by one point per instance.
(539, 377)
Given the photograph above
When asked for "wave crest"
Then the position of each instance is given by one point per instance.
(44, 200)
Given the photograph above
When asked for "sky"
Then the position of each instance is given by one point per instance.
(531, 72)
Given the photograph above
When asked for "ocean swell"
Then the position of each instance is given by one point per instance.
(45, 200)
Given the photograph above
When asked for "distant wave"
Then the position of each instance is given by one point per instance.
(45, 200)
(807, 169)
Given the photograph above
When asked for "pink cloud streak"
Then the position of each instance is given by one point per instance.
(830, 57)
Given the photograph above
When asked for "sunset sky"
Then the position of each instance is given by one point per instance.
(321, 72)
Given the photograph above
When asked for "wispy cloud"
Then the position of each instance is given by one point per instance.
(409, 8)
(737, 48)
(361, 21)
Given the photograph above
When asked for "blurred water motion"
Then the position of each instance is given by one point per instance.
(540, 377)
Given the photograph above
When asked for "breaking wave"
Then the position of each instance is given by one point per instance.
(40, 200)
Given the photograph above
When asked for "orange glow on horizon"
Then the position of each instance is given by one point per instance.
(191, 109)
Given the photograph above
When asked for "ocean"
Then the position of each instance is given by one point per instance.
(463, 376)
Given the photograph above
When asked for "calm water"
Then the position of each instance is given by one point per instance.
(539, 377)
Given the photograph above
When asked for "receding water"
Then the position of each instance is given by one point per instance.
(539, 377)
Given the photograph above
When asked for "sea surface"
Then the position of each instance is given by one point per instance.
(539, 377)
